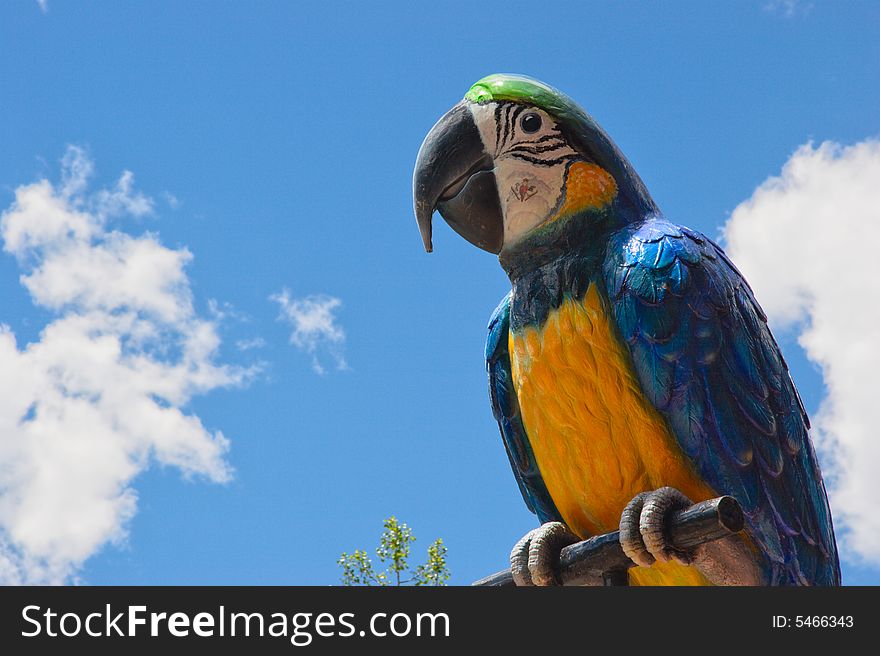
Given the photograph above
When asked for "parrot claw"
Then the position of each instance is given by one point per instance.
(643, 534)
(534, 558)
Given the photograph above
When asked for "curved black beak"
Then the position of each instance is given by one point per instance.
(454, 175)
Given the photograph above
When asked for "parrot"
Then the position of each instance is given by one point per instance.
(631, 370)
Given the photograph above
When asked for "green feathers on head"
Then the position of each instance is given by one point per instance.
(519, 88)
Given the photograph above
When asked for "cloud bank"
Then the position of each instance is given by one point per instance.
(101, 395)
(805, 241)
(314, 326)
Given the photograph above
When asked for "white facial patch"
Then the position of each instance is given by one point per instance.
(530, 155)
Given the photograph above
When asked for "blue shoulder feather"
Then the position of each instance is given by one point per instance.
(505, 407)
(707, 361)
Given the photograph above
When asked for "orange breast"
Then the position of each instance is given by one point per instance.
(597, 439)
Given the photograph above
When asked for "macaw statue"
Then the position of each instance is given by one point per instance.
(631, 370)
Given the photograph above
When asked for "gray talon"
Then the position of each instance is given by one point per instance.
(533, 559)
(630, 536)
(519, 560)
(652, 523)
(643, 534)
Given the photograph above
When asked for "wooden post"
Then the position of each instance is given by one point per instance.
(602, 558)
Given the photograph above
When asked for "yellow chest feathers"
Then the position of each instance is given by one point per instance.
(597, 439)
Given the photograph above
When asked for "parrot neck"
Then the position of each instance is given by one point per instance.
(575, 237)
(556, 262)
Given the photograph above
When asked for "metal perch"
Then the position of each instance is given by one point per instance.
(602, 557)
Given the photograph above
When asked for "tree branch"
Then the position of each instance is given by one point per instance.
(602, 557)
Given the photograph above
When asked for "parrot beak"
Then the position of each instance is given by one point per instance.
(455, 176)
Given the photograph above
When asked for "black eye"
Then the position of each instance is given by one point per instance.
(530, 123)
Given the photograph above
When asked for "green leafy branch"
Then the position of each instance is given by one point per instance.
(393, 553)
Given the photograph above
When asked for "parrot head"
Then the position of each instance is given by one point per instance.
(516, 157)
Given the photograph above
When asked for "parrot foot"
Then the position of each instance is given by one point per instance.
(643, 534)
(534, 558)
(643, 537)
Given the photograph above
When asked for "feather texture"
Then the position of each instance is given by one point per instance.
(705, 357)
(505, 407)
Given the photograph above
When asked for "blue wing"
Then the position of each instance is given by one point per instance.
(707, 361)
(505, 407)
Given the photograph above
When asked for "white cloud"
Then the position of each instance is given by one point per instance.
(789, 8)
(44, 7)
(172, 200)
(805, 241)
(250, 344)
(102, 393)
(314, 326)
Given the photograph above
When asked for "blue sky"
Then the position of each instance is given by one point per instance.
(275, 142)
